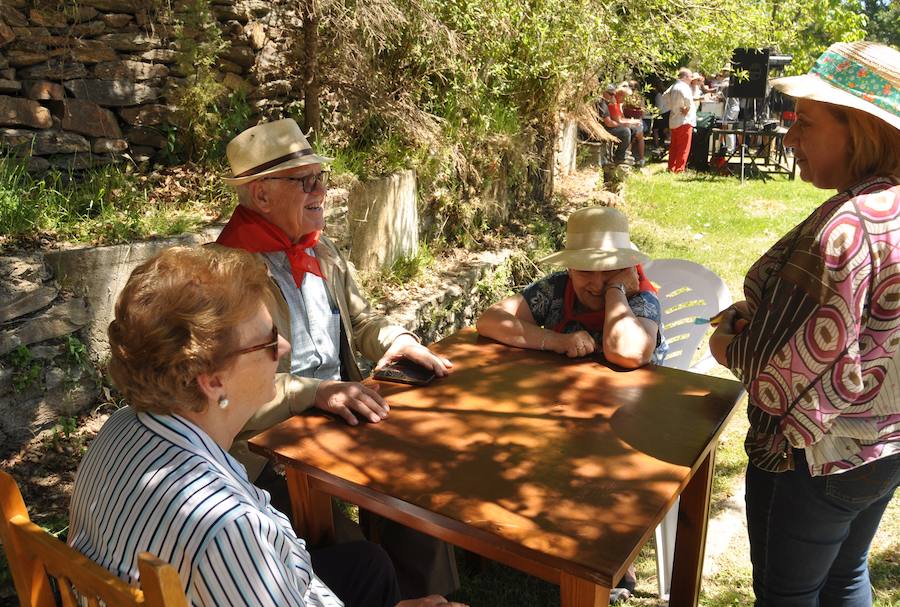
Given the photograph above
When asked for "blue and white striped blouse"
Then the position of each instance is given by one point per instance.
(158, 483)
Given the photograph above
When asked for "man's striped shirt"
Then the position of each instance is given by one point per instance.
(158, 483)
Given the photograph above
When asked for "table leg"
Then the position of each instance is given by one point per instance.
(690, 539)
(310, 509)
(576, 592)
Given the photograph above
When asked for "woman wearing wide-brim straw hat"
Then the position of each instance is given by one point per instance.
(816, 341)
(601, 303)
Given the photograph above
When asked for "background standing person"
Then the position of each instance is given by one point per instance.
(816, 342)
(280, 218)
(732, 107)
(682, 120)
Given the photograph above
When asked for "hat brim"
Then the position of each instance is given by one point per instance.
(593, 260)
(808, 86)
(289, 164)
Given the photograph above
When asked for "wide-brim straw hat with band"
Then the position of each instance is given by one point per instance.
(860, 75)
(597, 240)
(269, 148)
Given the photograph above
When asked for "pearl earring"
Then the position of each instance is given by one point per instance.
(223, 402)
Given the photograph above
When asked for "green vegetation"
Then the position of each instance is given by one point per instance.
(468, 93)
(411, 267)
(26, 370)
(76, 351)
(715, 221)
(195, 132)
(883, 21)
(110, 205)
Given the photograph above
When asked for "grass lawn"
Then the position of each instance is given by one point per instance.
(725, 226)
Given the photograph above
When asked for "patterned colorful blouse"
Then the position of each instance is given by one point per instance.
(819, 357)
(545, 299)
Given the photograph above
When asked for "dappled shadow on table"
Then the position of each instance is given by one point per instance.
(566, 458)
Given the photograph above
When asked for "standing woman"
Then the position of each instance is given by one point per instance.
(816, 341)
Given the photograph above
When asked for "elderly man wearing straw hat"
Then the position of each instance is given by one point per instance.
(817, 342)
(281, 185)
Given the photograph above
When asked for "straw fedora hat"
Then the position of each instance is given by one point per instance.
(597, 239)
(268, 148)
(860, 75)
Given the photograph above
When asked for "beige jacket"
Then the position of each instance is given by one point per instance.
(369, 333)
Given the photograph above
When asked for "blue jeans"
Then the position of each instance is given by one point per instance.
(623, 134)
(810, 536)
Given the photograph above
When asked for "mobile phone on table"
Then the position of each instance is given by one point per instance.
(405, 371)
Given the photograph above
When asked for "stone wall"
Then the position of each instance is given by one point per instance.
(48, 374)
(82, 83)
(97, 274)
(52, 304)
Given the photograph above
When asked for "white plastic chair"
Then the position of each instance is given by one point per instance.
(687, 291)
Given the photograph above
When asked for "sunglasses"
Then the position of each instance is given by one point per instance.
(310, 182)
(273, 344)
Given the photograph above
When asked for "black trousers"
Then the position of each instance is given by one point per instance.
(423, 565)
(360, 573)
(623, 133)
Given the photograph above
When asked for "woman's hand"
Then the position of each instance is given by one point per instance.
(573, 345)
(733, 320)
(628, 278)
(434, 600)
(742, 311)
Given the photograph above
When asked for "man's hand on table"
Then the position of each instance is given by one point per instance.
(406, 346)
(347, 399)
(435, 600)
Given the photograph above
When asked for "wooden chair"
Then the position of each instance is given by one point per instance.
(36, 557)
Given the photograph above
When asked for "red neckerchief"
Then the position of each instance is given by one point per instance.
(593, 321)
(253, 233)
(615, 111)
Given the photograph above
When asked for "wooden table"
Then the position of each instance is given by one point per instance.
(555, 467)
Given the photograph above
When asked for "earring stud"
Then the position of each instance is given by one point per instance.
(223, 402)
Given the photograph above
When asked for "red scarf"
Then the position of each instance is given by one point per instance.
(593, 321)
(615, 111)
(253, 233)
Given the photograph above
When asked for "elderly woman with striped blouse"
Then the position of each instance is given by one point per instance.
(194, 351)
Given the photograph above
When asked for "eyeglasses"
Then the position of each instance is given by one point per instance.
(269, 344)
(310, 182)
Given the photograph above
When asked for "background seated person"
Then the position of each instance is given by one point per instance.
(635, 125)
(615, 128)
(602, 303)
(194, 351)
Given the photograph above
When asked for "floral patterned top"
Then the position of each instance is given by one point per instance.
(545, 299)
(819, 357)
